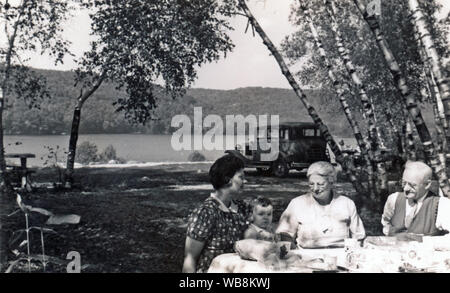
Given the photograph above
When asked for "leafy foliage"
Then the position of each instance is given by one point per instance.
(87, 152)
(140, 43)
(109, 153)
(28, 25)
(143, 42)
(53, 158)
(365, 54)
(31, 26)
(28, 85)
(38, 26)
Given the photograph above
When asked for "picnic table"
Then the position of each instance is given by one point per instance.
(379, 254)
(20, 174)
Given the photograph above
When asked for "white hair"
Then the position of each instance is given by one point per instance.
(418, 166)
(324, 169)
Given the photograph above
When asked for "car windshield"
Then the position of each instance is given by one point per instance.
(288, 133)
(309, 132)
(298, 133)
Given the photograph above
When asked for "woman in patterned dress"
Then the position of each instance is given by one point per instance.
(220, 220)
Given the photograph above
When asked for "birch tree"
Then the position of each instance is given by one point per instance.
(433, 96)
(428, 45)
(374, 136)
(392, 115)
(28, 26)
(346, 163)
(360, 139)
(408, 96)
(142, 42)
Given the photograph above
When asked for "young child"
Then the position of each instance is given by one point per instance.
(261, 218)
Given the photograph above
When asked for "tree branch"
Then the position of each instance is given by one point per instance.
(240, 14)
(11, 46)
(83, 97)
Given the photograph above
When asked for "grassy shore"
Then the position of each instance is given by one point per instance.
(134, 219)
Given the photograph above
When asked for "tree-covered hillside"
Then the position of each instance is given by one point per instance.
(99, 116)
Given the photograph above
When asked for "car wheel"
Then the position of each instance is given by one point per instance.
(280, 168)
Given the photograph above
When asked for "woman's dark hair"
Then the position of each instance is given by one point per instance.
(223, 170)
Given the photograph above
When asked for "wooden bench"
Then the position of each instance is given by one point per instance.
(20, 175)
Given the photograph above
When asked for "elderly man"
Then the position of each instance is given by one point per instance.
(320, 218)
(416, 210)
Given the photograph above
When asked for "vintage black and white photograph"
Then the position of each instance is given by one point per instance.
(224, 136)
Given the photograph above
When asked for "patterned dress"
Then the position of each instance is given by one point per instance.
(217, 228)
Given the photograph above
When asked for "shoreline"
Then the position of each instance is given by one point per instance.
(140, 165)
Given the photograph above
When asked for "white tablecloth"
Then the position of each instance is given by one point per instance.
(370, 259)
(232, 263)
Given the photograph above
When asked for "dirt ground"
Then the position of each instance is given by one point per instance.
(134, 219)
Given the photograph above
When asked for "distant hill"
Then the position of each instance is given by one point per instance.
(99, 115)
(272, 101)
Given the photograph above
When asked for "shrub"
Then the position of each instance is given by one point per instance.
(196, 157)
(52, 159)
(108, 154)
(86, 153)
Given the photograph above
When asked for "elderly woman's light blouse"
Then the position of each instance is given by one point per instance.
(314, 225)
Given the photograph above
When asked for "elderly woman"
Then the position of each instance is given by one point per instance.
(221, 220)
(320, 218)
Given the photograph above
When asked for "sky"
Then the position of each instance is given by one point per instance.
(250, 63)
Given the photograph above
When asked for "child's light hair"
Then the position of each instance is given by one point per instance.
(260, 201)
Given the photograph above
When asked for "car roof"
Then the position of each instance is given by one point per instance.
(293, 124)
(298, 124)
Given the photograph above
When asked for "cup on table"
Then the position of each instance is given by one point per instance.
(351, 246)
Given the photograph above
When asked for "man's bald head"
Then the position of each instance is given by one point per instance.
(416, 179)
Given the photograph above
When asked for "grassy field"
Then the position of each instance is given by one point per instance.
(134, 219)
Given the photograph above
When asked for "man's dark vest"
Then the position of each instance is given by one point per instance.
(425, 220)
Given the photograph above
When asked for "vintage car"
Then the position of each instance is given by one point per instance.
(299, 145)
